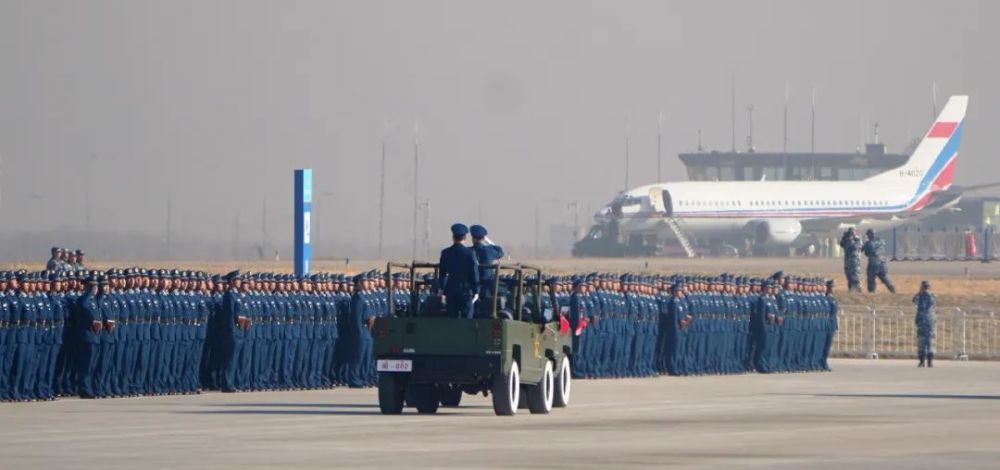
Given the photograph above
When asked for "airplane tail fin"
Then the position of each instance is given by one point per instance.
(932, 165)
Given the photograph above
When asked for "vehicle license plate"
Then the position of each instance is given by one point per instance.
(394, 365)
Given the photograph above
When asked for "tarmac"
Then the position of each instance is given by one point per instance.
(864, 414)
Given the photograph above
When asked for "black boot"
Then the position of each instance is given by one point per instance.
(921, 356)
(930, 359)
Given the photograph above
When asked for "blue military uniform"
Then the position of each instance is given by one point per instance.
(487, 255)
(459, 274)
(88, 325)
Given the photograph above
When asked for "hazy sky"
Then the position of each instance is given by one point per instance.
(215, 102)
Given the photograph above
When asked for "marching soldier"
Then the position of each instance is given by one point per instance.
(878, 266)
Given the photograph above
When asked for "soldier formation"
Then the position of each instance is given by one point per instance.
(688, 325)
(127, 332)
(136, 331)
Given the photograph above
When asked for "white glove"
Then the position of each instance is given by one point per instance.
(487, 241)
(475, 298)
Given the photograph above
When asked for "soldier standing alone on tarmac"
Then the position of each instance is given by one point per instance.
(852, 245)
(925, 321)
(878, 266)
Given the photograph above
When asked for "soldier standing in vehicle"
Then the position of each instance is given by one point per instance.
(925, 322)
(459, 274)
(488, 255)
(878, 266)
(852, 245)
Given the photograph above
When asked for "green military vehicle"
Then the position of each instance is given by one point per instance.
(514, 348)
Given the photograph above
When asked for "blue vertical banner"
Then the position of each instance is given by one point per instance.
(303, 219)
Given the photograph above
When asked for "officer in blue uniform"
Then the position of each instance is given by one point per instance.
(459, 274)
(88, 325)
(229, 330)
(488, 255)
(359, 331)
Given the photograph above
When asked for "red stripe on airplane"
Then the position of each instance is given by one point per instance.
(942, 129)
(943, 181)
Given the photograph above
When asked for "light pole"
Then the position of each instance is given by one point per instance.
(381, 202)
(416, 183)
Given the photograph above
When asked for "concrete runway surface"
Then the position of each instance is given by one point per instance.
(865, 414)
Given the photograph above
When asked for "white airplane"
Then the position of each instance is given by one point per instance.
(776, 213)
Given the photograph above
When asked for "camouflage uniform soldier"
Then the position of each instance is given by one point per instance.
(878, 266)
(852, 245)
(925, 321)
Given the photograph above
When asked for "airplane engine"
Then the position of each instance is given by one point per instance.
(776, 232)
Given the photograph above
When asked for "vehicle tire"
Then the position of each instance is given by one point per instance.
(507, 392)
(540, 396)
(564, 383)
(450, 395)
(424, 398)
(390, 393)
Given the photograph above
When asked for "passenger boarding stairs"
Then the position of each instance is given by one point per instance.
(675, 227)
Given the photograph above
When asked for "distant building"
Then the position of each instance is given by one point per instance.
(777, 166)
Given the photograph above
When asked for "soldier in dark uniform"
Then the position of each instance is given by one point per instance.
(78, 261)
(925, 321)
(55, 261)
(459, 275)
(878, 266)
(852, 246)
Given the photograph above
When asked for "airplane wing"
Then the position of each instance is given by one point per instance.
(942, 202)
(960, 190)
(945, 200)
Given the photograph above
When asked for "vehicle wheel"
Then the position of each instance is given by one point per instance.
(390, 393)
(564, 382)
(540, 396)
(451, 395)
(507, 392)
(424, 398)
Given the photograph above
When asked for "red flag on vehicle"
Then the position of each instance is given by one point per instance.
(563, 324)
(581, 326)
